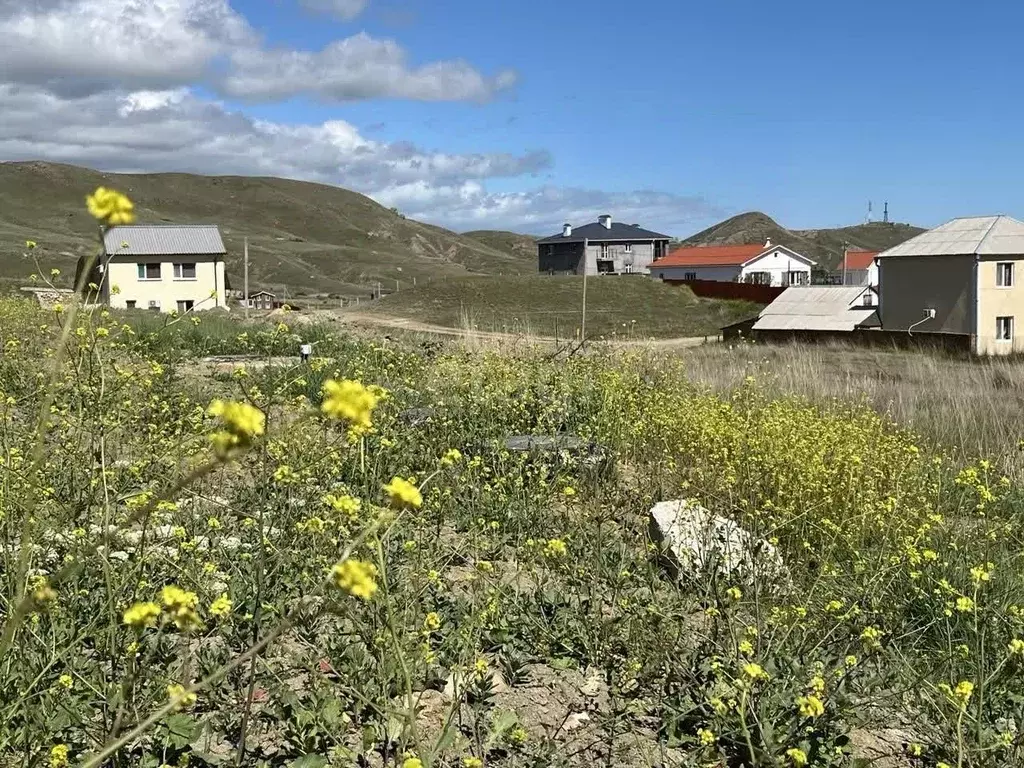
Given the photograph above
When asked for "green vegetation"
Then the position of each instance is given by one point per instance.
(825, 246)
(308, 238)
(542, 305)
(267, 568)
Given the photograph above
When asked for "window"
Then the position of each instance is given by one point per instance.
(604, 250)
(154, 305)
(1004, 274)
(130, 304)
(185, 305)
(1004, 329)
(796, 278)
(184, 271)
(629, 247)
(689, 276)
(759, 278)
(149, 271)
(628, 268)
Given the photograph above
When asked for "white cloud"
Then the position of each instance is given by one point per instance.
(86, 46)
(89, 45)
(175, 130)
(343, 9)
(358, 67)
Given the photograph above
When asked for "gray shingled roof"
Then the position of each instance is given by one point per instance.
(599, 233)
(975, 235)
(816, 308)
(164, 240)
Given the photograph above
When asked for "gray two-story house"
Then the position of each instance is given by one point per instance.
(602, 247)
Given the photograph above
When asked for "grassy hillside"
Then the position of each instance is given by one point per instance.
(524, 246)
(308, 238)
(546, 306)
(823, 245)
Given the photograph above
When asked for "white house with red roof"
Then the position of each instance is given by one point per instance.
(766, 264)
(859, 268)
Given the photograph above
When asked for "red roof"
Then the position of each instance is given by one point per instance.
(711, 255)
(859, 259)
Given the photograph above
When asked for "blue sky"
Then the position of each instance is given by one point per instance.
(677, 113)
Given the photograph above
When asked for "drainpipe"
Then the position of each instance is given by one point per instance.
(977, 308)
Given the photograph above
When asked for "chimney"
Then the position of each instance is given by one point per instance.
(767, 242)
(605, 220)
(567, 230)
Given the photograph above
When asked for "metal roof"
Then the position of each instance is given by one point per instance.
(598, 232)
(164, 240)
(976, 235)
(817, 308)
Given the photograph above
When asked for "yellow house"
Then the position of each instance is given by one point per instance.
(965, 277)
(164, 268)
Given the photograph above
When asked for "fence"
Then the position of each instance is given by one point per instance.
(719, 289)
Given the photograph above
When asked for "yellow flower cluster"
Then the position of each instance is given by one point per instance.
(142, 615)
(357, 577)
(110, 207)
(180, 606)
(349, 401)
(242, 423)
(403, 495)
(180, 697)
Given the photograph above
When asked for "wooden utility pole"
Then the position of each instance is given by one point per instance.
(846, 249)
(583, 322)
(245, 278)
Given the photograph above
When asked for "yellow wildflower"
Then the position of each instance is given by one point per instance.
(964, 604)
(181, 698)
(180, 606)
(555, 548)
(242, 423)
(221, 607)
(349, 401)
(110, 206)
(797, 756)
(66, 682)
(432, 622)
(1016, 647)
(962, 692)
(142, 615)
(734, 593)
(356, 577)
(870, 637)
(451, 456)
(746, 647)
(518, 735)
(30, 244)
(705, 737)
(754, 671)
(403, 495)
(59, 756)
(810, 706)
(472, 762)
(480, 668)
(412, 762)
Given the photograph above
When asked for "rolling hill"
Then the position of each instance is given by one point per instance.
(507, 242)
(303, 237)
(825, 246)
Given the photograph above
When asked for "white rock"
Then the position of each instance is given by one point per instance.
(701, 543)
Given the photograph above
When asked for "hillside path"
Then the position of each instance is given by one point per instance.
(405, 324)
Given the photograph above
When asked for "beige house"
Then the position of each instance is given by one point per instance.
(163, 268)
(962, 278)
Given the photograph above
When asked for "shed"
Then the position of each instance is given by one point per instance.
(820, 308)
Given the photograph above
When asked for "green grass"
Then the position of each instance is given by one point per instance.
(303, 237)
(547, 306)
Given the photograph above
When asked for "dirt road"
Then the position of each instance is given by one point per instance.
(373, 320)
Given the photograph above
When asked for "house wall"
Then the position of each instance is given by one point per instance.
(560, 257)
(910, 284)
(122, 272)
(777, 264)
(721, 274)
(996, 302)
(867, 276)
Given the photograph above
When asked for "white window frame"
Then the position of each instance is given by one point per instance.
(689, 275)
(181, 309)
(143, 271)
(179, 270)
(1004, 328)
(131, 304)
(629, 247)
(1004, 270)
